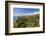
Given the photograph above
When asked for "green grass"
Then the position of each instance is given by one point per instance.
(27, 21)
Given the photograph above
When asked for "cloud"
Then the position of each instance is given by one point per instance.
(24, 11)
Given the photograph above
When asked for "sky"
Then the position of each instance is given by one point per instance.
(23, 11)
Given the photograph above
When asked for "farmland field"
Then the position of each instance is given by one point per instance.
(26, 21)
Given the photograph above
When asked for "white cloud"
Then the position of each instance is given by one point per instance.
(26, 14)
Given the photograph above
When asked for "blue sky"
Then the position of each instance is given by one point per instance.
(17, 11)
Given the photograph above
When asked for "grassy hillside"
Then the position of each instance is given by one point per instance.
(26, 21)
